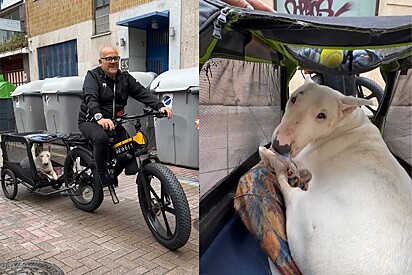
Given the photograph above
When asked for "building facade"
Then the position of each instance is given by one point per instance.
(64, 38)
(14, 64)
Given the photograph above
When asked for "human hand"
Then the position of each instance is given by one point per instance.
(166, 110)
(106, 124)
(259, 5)
(250, 4)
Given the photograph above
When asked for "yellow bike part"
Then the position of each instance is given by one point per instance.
(139, 138)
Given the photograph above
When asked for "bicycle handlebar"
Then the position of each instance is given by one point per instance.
(147, 112)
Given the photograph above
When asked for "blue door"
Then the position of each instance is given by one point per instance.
(157, 50)
(58, 60)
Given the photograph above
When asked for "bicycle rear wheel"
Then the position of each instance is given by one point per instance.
(361, 83)
(375, 90)
(81, 176)
(165, 207)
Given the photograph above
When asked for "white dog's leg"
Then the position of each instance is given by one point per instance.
(54, 175)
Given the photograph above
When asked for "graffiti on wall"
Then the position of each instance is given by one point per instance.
(315, 7)
(327, 7)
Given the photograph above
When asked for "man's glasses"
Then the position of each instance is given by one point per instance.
(111, 58)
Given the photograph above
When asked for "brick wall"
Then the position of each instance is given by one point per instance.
(48, 15)
(120, 5)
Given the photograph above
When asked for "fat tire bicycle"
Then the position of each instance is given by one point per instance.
(161, 197)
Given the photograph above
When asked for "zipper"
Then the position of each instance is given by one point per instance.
(211, 17)
(114, 100)
(220, 22)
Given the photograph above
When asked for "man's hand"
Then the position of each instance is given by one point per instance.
(167, 110)
(106, 124)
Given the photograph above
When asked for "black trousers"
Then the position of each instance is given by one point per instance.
(100, 140)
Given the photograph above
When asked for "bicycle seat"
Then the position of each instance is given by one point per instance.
(75, 137)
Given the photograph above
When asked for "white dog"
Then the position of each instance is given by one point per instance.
(43, 165)
(356, 216)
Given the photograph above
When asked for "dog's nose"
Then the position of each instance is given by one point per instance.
(281, 149)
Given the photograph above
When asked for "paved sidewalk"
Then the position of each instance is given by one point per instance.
(112, 240)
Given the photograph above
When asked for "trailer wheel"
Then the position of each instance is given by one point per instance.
(9, 183)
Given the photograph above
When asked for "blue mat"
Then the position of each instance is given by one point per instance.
(234, 251)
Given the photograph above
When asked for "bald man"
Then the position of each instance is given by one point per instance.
(96, 109)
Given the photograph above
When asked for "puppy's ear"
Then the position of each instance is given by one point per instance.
(349, 103)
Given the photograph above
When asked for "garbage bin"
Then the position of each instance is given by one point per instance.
(7, 121)
(177, 139)
(135, 107)
(61, 100)
(28, 107)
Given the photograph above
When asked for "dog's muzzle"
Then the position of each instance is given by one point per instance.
(281, 149)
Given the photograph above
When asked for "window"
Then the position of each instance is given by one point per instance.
(13, 15)
(58, 60)
(102, 11)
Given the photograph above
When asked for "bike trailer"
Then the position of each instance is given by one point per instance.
(19, 152)
(247, 61)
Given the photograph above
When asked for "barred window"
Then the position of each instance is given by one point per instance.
(102, 11)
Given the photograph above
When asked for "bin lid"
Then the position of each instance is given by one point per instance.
(145, 78)
(66, 85)
(176, 80)
(33, 87)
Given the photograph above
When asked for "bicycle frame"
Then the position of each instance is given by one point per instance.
(132, 153)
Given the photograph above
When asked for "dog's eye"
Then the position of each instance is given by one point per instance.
(321, 116)
(293, 99)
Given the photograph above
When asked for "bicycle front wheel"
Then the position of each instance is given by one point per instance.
(164, 205)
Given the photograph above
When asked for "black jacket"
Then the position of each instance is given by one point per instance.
(98, 94)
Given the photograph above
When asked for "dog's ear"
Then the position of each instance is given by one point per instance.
(308, 79)
(349, 103)
(37, 149)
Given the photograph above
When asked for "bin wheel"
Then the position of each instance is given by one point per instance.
(9, 183)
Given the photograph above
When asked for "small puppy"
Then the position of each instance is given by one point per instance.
(285, 169)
